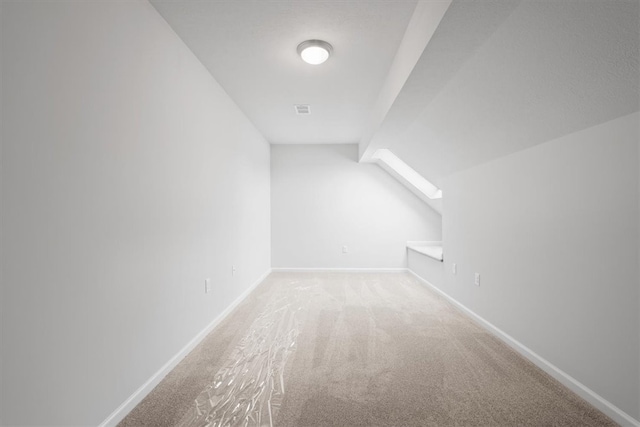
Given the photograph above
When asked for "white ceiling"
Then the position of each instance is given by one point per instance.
(497, 76)
(250, 49)
(501, 76)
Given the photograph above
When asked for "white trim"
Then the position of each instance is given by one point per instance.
(126, 407)
(340, 270)
(609, 409)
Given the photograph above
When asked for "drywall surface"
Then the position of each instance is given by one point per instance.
(553, 232)
(322, 199)
(426, 267)
(250, 48)
(501, 76)
(128, 177)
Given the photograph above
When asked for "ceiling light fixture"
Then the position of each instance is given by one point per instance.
(314, 51)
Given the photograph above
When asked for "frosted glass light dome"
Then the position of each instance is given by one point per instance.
(314, 51)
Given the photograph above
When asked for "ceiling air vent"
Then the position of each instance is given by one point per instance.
(302, 110)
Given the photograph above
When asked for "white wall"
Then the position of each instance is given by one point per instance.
(553, 231)
(426, 267)
(128, 177)
(322, 199)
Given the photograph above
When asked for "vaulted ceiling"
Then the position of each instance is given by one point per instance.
(501, 76)
(496, 76)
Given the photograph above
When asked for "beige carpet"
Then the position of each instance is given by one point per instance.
(351, 349)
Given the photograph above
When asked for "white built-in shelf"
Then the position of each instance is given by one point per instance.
(430, 249)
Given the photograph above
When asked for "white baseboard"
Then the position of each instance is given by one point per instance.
(126, 407)
(340, 270)
(609, 409)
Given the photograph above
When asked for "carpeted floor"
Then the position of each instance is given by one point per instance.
(356, 349)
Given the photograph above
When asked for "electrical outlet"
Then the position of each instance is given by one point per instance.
(345, 250)
(454, 268)
(207, 286)
(477, 282)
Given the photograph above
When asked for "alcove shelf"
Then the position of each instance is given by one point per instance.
(432, 249)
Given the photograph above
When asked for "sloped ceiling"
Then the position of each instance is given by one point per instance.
(249, 46)
(500, 76)
(496, 76)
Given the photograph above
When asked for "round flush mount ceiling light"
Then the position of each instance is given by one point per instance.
(314, 51)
